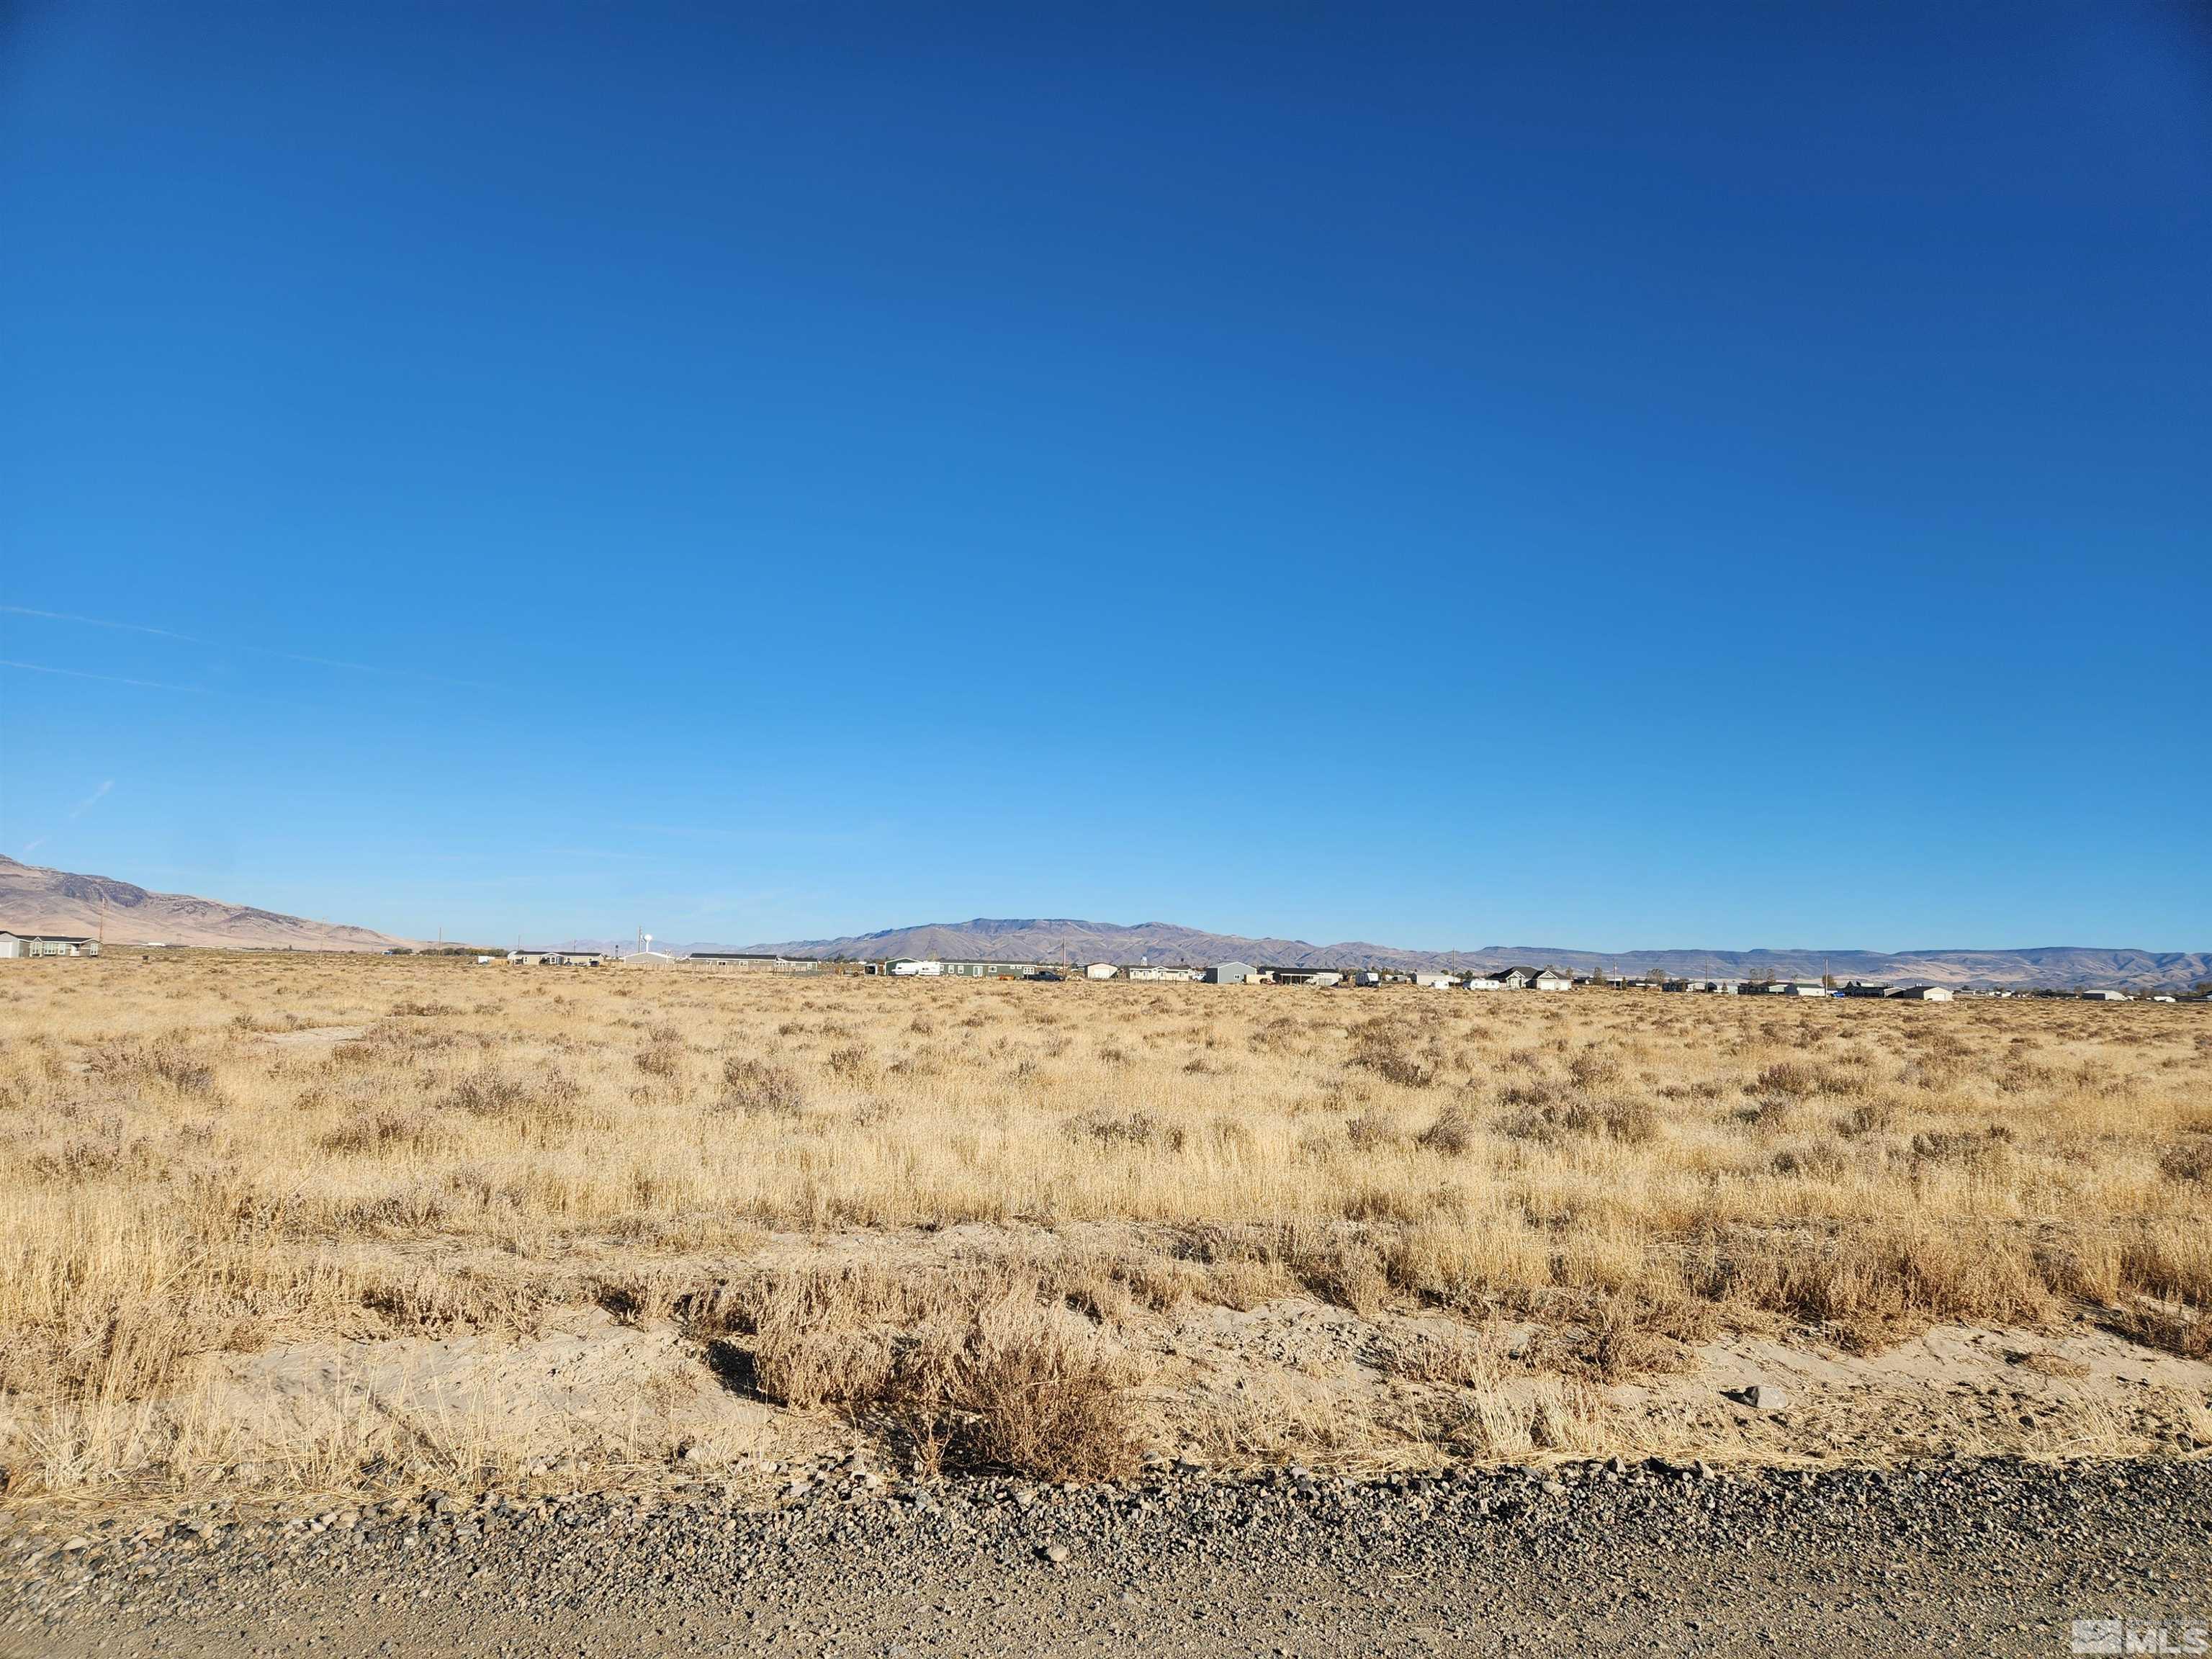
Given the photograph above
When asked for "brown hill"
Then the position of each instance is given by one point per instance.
(36, 899)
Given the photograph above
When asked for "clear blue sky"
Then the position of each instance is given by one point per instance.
(1426, 474)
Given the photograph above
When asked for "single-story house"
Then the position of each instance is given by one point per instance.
(1100, 970)
(1865, 987)
(47, 945)
(1145, 971)
(1231, 973)
(754, 962)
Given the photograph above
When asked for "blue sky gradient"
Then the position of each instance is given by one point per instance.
(1731, 478)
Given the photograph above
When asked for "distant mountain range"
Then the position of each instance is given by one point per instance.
(2062, 967)
(35, 900)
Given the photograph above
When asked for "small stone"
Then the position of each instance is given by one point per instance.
(1765, 1397)
(1056, 1553)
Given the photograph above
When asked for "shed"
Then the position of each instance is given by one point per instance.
(1925, 994)
(1230, 973)
(1100, 970)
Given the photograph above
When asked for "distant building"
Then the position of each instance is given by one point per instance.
(1145, 971)
(1322, 976)
(1866, 987)
(1924, 993)
(988, 969)
(46, 944)
(1484, 983)
(1433, 982)
(1100, 970)
(911, 969)
(2103, 996)
(1231, 973)
(1783, 988)
(766, 962)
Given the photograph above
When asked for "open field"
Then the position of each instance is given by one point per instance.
(309, 1225)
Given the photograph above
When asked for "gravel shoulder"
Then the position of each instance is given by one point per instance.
(1997, 1556)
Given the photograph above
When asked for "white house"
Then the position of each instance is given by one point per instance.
(1145, 971)
(46, 944)
(1550, 979)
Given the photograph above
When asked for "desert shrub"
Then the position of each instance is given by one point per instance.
(1593, 1067)
(171, 1059)
(2191, 1160)
(1346, 1271)
(1115, 1128)
(1383, 1048)
(754, 1087)
(1453, 1134)
(1373, 1130)
(850, 1062)
(1867, 1118)
(1811, 1160)
(1043, 1398)
(1632, 1122)
(379, 1128)
(1966, 1146)
(1793, 1078)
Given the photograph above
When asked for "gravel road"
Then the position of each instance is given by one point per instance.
(1953, 1558)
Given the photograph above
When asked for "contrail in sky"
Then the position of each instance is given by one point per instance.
(258, 650)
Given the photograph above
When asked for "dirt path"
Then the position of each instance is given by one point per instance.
(1981, 1557)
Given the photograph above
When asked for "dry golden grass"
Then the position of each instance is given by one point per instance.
(205, 1155)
